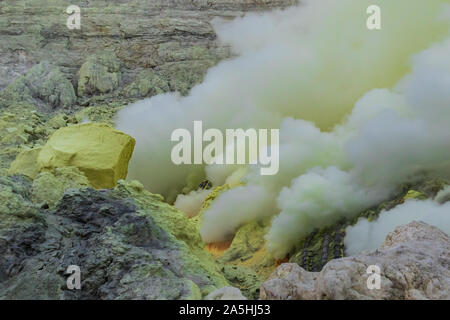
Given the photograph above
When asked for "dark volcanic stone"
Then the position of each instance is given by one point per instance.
(121, 251)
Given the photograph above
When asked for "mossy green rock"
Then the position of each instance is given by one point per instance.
(182, 228)
(22, 128)
(15, 205)
(248, 239)
(243, 278)
(49, 187)
(43, 85)
(147, 84)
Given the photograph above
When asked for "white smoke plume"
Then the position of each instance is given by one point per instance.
(443, 195)
(367, 235)
(192, 202)
(228, 208)
(398, 136)
(316, 72)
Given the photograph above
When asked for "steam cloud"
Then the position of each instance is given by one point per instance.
(191, 203)
(318, 74)
(367, 235)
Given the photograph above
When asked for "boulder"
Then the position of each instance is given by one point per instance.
(416, 232)
(15, 206)
(96, 149)
(99, 74)
(413, 264)
(283, 284)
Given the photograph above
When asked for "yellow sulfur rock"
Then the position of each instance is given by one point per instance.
(98, 150)
(413, 194)
(25, 163)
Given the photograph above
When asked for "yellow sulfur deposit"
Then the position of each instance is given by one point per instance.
(25, 163)
(413, 194)
(98, 150)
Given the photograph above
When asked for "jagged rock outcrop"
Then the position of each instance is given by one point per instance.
(414, 263)
(99, 74)
(15, 206)
(128, 243)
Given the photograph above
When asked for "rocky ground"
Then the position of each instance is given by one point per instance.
(414, 261)
(128, 243)
(59, 206)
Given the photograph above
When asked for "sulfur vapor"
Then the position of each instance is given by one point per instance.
(367, 235)
(360, 112)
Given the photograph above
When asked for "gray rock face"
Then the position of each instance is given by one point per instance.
(289, 282)
(414, 263)
(172, 37)
(122, 251)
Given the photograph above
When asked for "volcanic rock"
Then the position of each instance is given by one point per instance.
(128, 243)
(414, 262)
